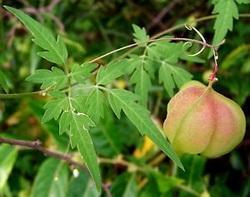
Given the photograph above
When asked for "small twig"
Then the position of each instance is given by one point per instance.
(37, 145)
(52, 4)
(122, 162)
(164, 11)
(157, 159)
(17, 95)
(46, 10)
(188, 190)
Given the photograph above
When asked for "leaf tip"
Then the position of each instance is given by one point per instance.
(9, 8)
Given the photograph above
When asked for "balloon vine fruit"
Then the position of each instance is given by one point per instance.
(200, 120)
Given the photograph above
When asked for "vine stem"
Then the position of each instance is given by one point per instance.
(112, 52)
(150, 41)
(205, 18)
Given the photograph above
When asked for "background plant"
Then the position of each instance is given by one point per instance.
(131, 81)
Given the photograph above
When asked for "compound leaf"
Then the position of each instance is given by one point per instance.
(172, 76)
(142, 82)
(140, 117)
(78, 130)
(95, 105)
(55, 78)
(140, 35)
(110, 72)
(79, 73)
(227, 10)
(54, 49)
(54, 108)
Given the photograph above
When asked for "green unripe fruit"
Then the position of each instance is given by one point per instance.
(200, 120)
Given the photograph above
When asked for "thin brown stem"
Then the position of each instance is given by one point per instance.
(37, 145)
(164, 11)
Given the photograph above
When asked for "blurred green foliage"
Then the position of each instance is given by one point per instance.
(91, 28)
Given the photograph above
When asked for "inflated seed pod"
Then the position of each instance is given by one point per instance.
(200, 120)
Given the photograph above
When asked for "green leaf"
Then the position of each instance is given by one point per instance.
(131, 188)
(115, 103)
(95, 105)
(8, 155)
(82, 186)
(243, 1)
(107, 136)
(143, 70)
(54, 50)
(119, 185)
(140, 117)
(193, 175)
(77, 128)
(36, 107)
(150, 189)
(64, 122)
(165, 51)
(140, 35)
(233, 57)
(166, 55)
(54, 108)
(5, 82)
(166, 183)
(172, 76)
(51, 179)
(227, 10)
(49, 78)
(79, 73)
(110, 72)
(142, 82)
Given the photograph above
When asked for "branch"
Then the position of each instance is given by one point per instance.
(37, 145)
(164, 11)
